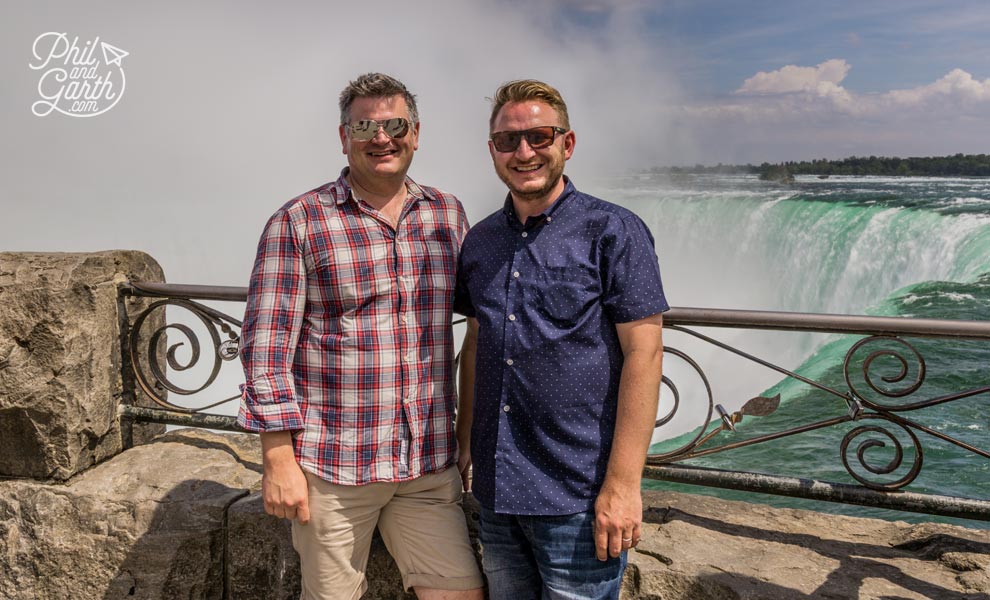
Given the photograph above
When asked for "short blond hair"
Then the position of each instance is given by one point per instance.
(529, 90)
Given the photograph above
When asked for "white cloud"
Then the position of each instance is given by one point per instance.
(957, 86)
(792, 78)
(796, 92)
(774, 114)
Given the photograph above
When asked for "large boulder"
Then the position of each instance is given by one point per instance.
(148, 523)
(60, 360)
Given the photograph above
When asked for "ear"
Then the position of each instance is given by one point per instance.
(569, 141)
(491, 148)
(416, 136)
(343, 138)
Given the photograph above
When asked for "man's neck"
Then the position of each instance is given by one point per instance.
(379, 193)
(529, 206)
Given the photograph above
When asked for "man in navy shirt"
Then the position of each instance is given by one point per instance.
(560, 365)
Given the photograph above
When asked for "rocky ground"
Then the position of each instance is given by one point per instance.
(180, 518)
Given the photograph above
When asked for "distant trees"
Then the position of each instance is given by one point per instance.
(966, 165)
(957, 165)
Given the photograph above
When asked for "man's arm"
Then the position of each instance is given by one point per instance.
(619, 506)
(270, 333)
(465, 400)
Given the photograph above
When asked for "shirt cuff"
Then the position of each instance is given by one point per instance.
(268, 403)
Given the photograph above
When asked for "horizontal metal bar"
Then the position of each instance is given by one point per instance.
(947, 506)
(170, 417)
(706, 317)
(826, 323)
(227, 293)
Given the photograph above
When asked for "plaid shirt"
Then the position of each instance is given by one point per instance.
(347, 336)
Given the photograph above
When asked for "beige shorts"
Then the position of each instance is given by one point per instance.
(421, 522)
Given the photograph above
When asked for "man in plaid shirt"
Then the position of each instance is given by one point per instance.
(348, 354)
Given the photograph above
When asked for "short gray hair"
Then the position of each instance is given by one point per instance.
(375, 85)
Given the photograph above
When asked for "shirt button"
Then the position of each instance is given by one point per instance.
(505, 408)
(508, 361)
(512, 317)
(409, 357)
(524, 234)
(515, 274)
(404, 318)
(549, 219)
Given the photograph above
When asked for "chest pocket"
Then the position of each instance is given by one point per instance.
(568, 292)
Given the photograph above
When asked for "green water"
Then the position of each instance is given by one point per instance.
(879, 246)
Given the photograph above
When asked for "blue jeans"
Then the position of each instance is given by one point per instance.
(549, 558)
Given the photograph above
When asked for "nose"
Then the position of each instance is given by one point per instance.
(523, 151)
(380, 136)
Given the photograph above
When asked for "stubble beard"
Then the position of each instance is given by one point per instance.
(554, 177)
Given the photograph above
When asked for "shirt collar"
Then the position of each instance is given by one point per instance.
(340, 190)
(558, 205)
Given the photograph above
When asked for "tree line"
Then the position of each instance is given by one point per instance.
(957, 165)
(971, 165)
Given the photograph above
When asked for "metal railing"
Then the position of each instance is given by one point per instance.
(879, 409)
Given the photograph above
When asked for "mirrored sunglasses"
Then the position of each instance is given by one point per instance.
(366, 129)
(537, 137)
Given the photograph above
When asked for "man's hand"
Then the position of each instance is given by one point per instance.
(618, 520)
(283, 484)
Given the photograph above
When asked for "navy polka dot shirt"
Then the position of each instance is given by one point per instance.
(547, 295)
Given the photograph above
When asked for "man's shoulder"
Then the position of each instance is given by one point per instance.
(443, 199)
(609, 218)
(596, 207)
(300, 205)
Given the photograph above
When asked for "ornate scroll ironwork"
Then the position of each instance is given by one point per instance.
(858, 448)
(149, 372)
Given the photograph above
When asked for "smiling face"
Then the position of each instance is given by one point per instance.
(533, 176)
(381, 157)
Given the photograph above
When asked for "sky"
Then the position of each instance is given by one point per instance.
(225, 110)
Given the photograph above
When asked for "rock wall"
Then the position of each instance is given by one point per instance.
(60, 358)
(181, 518)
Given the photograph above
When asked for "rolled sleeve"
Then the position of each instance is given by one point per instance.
(272, 322)
(268, 403)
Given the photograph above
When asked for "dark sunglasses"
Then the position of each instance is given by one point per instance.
(537, 137)
(367, 129)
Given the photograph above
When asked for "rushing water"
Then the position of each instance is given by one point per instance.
(916, 247)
